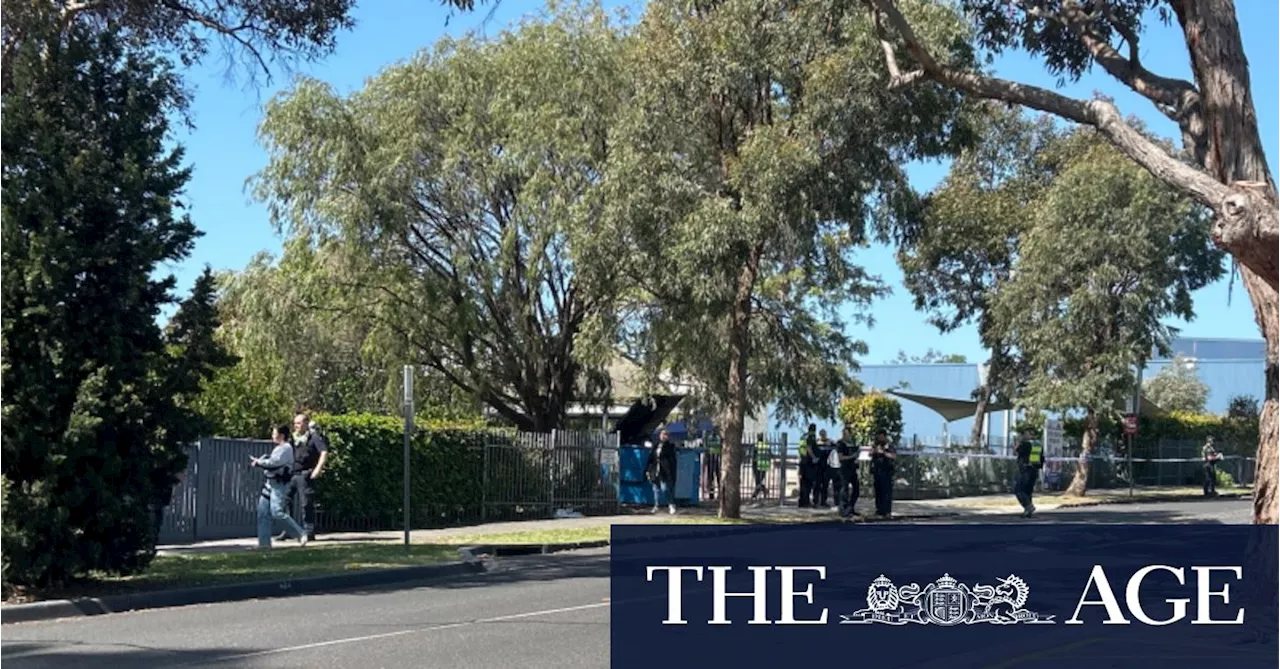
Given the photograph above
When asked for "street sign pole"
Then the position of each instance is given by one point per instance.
(408, 439)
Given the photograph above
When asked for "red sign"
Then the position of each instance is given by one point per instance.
(1130, 424)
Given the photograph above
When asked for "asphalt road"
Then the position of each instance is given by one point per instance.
(534, 612)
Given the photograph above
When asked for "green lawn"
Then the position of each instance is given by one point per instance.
(214, 568)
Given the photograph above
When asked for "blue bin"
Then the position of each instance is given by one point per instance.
(634, 488)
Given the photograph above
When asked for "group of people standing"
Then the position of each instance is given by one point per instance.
(296, 460)
(827, 467)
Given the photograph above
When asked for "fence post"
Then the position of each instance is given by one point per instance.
(408, 439)
(782, 474)
(551, 474)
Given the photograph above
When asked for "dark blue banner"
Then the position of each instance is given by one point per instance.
(877, 596)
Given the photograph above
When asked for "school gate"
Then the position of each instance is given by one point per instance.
(522, 476)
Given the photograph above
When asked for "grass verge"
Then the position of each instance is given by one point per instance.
(219, 568)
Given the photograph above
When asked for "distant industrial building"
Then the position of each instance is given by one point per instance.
(1230, 367)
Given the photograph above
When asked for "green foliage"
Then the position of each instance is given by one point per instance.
(256, 34)
(1038, 29)
(961, 249)
(98, 401)
(437, 205)
(1233, 436)
(1177, 387)
(1243, 407)
(364, 473)
(930, 357)
(758, 154)
(1224, 478)
(870, 413)
(1112, 253)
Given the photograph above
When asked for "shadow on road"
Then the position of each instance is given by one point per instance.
(64, 654)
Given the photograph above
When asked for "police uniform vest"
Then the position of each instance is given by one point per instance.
(305, 453)
(1035, 457)
(762, 456)
(713, 445)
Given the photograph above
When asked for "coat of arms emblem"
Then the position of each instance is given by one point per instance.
(947, 602)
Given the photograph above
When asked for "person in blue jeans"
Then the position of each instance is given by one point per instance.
(277, 468)
(661, 471)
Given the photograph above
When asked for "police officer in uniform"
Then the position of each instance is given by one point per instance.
(310, 450)
(808, 445)
(1030, 459)
(822, 471)
(1211, 457)
(883, 455)
(763, 462)
(847, 485)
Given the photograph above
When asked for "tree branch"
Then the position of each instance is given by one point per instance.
(1177, 99)
(1100, 114)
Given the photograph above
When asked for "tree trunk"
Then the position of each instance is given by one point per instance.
(736, 407)
(1080, 482)
(979, 414)
(1235, 154)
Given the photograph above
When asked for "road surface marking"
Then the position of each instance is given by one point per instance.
(386, 635)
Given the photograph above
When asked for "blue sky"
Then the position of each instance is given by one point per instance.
(224, 152)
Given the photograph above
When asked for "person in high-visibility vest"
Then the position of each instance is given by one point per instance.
(1030, 461)
(763, 462)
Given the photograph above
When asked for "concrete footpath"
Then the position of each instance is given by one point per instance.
(992, 506)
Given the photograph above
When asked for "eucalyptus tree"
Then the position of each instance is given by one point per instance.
(446, 193)
(1222, 163)
(1112, 253)
(760, 151)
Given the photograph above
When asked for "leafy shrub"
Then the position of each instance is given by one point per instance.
(1234, 436)
(869, 413)
(363, 481)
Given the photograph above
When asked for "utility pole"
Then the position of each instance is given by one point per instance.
(408, 440)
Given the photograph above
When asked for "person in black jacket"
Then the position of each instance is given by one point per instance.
(847, 484)
(883, 455)
(661, 472)
(808, 444)
(310, 451)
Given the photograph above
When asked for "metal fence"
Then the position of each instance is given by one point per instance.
(762, 474)
(962, 471)
(518, 476)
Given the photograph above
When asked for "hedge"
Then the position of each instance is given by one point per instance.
(1233, 436)
(453, 480)
(866, 414)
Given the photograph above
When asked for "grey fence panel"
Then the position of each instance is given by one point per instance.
(228, 488)
(179, 522)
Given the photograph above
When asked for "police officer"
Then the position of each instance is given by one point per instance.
(763, 462)
(847, 485)
(808, 445)
(883, 455)
(1211, 457)
(711, 464)
(1030, 459)
(310, 450)
(822, 471)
